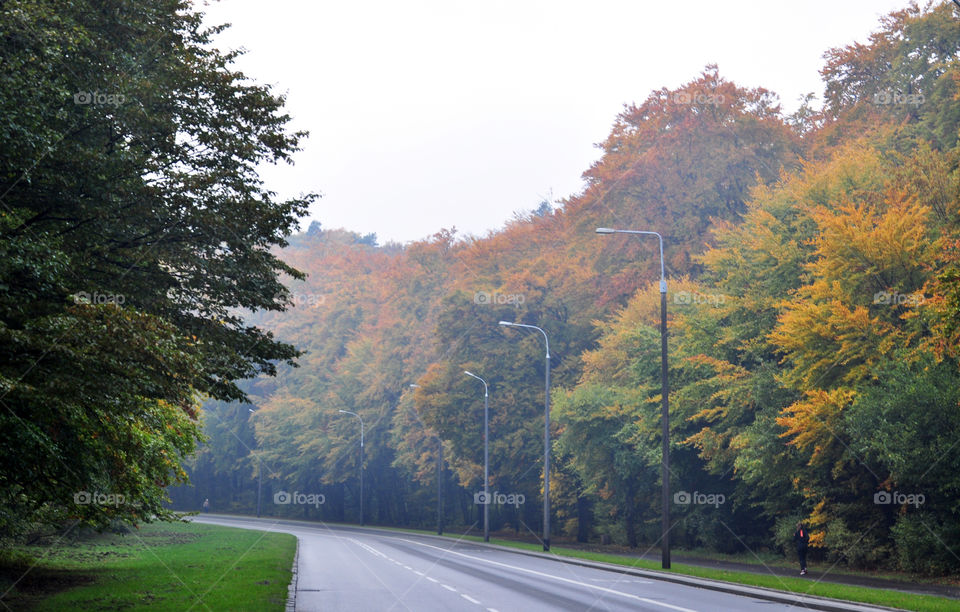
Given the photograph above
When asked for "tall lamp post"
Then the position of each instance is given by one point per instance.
(259, 473)
(546, 437)
(439, 470)
(361, 461)
(665, 400)
(486, 457)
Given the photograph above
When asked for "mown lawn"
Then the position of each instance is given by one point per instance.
(163, 566)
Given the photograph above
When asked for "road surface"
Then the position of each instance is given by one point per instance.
(355, 569)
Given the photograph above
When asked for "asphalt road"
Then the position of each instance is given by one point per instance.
(354, 569)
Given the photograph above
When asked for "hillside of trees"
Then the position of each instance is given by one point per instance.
(813, 264)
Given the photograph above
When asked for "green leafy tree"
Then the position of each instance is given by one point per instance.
(134, 230)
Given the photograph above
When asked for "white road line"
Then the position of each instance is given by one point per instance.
(470, 599)
(432, 579)
(448, 587)
(595, 587)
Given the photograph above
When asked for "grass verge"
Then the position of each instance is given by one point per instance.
(161, 566)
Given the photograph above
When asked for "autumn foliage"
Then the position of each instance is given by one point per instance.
(814, 300)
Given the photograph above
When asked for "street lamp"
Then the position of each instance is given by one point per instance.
(361, 461)
(439, 470)
(259, 471)
(486, 457)
(665, 400)
(546, 437)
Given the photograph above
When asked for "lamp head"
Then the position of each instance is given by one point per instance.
(606, 230)
(505, 323)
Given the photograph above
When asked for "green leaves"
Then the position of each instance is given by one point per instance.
(133, 229)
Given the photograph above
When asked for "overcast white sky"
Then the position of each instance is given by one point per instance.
(432, 114)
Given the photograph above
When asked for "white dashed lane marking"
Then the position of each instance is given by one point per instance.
(376, 552)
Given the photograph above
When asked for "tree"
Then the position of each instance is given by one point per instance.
(134, 231)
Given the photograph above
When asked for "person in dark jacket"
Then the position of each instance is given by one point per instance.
(801, 537)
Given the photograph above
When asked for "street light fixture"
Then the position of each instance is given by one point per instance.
(361, 461)
(665, 400)
(546, 437)
(486, 457)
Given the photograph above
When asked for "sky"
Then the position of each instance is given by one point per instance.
(433, 114)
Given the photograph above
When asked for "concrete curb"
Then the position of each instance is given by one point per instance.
(292, 588)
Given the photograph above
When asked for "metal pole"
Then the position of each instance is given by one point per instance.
(546, 460)
(361, 462)
(546, 437)
(665, 418)
(486, 466)
(439, 486)
(665, 401)
(486, 457)
(361, 475)
(259, 469)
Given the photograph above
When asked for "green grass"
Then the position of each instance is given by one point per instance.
(162, 566)
(882, 597)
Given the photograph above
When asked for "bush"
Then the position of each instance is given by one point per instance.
(925, 545)
(857, 549)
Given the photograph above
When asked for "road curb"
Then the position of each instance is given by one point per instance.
(292, 588)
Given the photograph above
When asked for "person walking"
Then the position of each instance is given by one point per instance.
(206, 505)
(801, 537)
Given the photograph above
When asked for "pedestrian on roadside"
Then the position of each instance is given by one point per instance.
(206, 505)
(801, 537)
